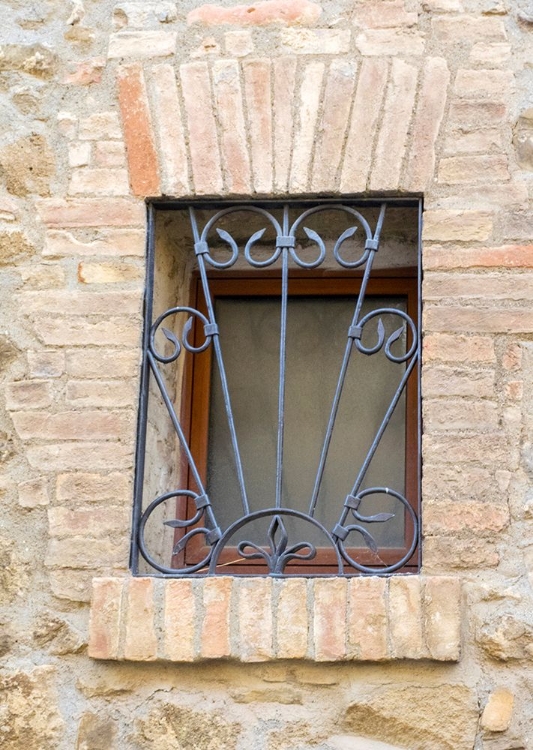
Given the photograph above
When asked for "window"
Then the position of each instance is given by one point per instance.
(279, 424)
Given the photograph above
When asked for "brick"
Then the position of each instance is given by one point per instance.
(468, 29)
(142, 44)
(87, 553)
(444, 347)
(67, 124)
(215, 632)
(512, 357)
(28, 394)
(514, 390)
(81, 303)
(470, 113)
(367, 627)
(470, 141)
(179, 620)
(483, 196)
(205, 157)
(110, 242)
(43, 276)
(97, 521)
(427, 123)
(96, 212)
(309, 102)
(85, 72)
(292, 626)
(100, 126)
(109, 154)
(109, 273)
(446, 483)
(87, 425)
(330, 596)
(383, 42)
(451, 225)
(72, 585)
(257, 87)
(307, 41)
(139, 15)
(83, 487)
(472, 169)
(79, 154)
(67, 457)
(480, 83)
(168, 122)
(383, 15)
(255, 640)
(480, 448)
(138, 132)
(390, 148)
(445, 553)
(82, 332)
(91, 363)
(234, 151)
(284, 88)
(475, 320)
(331, 130)
(238, 43)
(464, 518)
(486, 286)
(104, 621)
(490, 54)
(460, 415)
(516, 225)
(442, 617)
(140, 641)
(505, 256)
(405, 618)
(365, 113)
(102, 393)
(33, 493)
(450, 381)
(286, 12)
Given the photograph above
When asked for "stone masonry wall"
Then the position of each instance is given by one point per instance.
(106, 103)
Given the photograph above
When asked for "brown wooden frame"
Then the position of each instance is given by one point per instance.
(196, 395)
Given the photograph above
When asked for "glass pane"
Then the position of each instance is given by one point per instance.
(316, 339)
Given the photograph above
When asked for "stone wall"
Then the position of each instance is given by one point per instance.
(105, 104)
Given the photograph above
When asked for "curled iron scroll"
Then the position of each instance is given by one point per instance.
(394, 336)
(170, 336)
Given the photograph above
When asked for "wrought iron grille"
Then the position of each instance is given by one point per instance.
(186, 508)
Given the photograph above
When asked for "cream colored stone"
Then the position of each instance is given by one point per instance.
(145, 44)
(306, 124)
(498, 711)
(307, 41)
(405, 618)
(292, 631)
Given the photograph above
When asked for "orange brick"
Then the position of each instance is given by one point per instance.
(114, 242)
(215, 632)
(365, 113)
(456, 381)
(451, 225)
(81, 303)
(405, 618)
(265, 12)
(257, 85)
(255, 640)
(96, 521)
(228, 96)
(445, 553)
(482, 518)
(205, 157)
(472, 169)
(390, 42)
(179, 620)
(450, 416)
(82, 487)
(56, 331)
(104, 622)
(102, 393)
(463, 28)
(292, 632)
(109, 273)
(506, 256)
(91, 363)
(331, 131)
(99, 182)
(329, 618)
(426, 126)
(96, 425)
(138, 134)
(390, 147)
(367, 619)
(442, 617)
(493, 320)
(284, 87)
(46, 364)
(91, 212)
(140, 642)
(444, 347)
(70, 456)
(28, 394)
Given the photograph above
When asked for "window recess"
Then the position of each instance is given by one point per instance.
(279, 424)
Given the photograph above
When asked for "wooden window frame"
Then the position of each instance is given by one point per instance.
(196, 394)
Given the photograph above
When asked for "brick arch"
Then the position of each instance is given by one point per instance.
(281, 126)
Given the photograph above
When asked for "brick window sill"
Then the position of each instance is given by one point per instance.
(261, 619)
